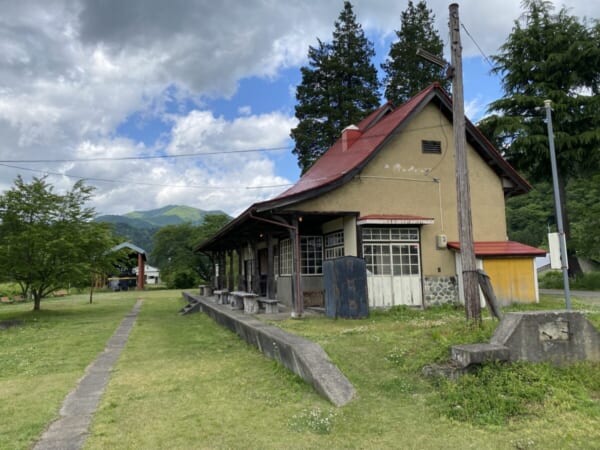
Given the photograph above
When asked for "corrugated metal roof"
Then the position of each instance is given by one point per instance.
(130, 246)
(501, 248)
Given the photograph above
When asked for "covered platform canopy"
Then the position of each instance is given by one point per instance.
(140, 255)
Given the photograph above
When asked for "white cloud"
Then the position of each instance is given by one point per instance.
(474, 109)
(245, 110)
(73, 71)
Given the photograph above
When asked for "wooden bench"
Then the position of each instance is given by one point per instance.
(247, 301)
(222, 296)
(60, 293)
(271, 306)
(5, 300)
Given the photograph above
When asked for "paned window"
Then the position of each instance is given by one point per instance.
(391, 251)
(405, 259)
(311, 251)
(334, 245)
(390, 234)
(285, 257)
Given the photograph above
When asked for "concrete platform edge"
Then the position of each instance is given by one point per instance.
(303, 357)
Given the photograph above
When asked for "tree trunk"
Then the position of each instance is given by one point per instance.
(91, 292)
(37, 299)
(574, 267)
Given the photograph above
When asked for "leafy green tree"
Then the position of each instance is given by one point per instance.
(174, 251)
(583, 195)
(48, 240)
(530, 216)
(556, 57)
(102, 262)
(339, 87)
(406, 73)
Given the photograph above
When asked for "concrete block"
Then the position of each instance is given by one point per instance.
(251, 305)
(560, 337)
(467, 355)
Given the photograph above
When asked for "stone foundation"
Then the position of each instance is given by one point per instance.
(439, 290)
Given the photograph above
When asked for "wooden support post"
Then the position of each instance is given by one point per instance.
(255, 270)
(223, 269)
(463, 194)
(141, 276)
(298, 304)
(240, 283)
(231, 281)
(270, 268)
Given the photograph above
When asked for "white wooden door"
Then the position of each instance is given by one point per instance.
(393, 274)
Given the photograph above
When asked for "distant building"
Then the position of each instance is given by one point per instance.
(152, 274)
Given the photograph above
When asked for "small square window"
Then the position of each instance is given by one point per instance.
(433, 147)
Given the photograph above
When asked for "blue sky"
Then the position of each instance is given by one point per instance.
(82, 79)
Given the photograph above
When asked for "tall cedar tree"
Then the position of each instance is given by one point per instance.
(338, 88)
(555, 57)
(406, 73)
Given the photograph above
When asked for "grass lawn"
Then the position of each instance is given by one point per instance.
(184, 382)
(42, 359)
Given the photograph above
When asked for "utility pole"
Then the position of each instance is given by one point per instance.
(463, 193)
(559, 218)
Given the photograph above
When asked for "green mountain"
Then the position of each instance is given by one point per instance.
(171, 215)
(139, 227)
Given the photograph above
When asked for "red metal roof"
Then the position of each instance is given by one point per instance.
(501, 248)
(376, 128)
(336, 161)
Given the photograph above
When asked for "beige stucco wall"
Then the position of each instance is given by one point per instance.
(403, 180)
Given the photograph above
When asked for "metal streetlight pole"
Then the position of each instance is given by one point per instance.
(559, 219)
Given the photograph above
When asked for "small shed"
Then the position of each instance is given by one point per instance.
(511, 268)
(139, 255)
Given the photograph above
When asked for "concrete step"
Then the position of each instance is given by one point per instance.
(467, 355)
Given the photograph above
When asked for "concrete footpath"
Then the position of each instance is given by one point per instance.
(70, 431)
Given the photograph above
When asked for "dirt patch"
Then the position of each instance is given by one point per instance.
(10, 323)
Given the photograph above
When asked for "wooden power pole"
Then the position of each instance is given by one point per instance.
(463, 193)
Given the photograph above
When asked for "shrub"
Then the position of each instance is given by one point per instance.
(587, 281)
(551, 280)
(182, 279)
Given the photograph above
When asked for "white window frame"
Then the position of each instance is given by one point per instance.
(391, 251)
(285, 257)
(334, 245)
(311, 255)
(381, 234)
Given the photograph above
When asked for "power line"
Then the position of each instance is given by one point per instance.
(477, 45)
(133, 158)
(108, 180)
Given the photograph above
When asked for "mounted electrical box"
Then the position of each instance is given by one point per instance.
(441, 241)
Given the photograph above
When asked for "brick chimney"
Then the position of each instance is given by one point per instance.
(350, 135)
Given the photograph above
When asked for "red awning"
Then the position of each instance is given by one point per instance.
(501, 248)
